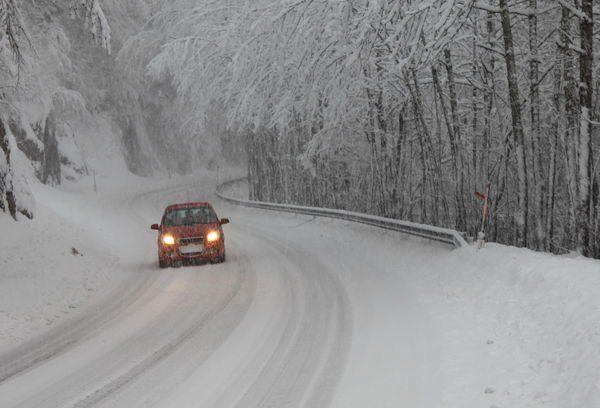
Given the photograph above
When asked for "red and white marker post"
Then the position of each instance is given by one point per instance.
(486, 205)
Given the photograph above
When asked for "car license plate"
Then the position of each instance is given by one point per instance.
(191, 249)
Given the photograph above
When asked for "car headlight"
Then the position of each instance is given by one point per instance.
(213, 236)
(168, 239)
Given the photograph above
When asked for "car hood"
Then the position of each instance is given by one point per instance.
(187, 231)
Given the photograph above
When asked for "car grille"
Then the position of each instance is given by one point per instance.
(191, 240)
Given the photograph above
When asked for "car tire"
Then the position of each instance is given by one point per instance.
(162, 263)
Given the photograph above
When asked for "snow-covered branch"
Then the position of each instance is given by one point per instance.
(94, 19)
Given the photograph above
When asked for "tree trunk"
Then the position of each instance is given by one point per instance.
(432, 166)
(455, 144)
(50, 169)
(536, 145)
(7, 196)
(522, 211)
(571, 103)
(475, 171)
(559, 112)
(586, 60)
(490, 69)
(453, 149)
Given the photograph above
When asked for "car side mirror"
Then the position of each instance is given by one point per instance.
(224, 221)
(155, 227)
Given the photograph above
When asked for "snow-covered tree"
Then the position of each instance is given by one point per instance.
(33, 49)
(398, 107)
(402, 108)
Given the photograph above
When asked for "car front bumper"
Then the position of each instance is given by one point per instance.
(175, 254)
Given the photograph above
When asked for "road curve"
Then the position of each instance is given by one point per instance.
(304, 313)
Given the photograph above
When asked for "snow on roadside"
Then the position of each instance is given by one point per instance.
(519, 328)
(73, 251)
(48, 270)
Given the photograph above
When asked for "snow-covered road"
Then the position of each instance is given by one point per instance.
(303, 308)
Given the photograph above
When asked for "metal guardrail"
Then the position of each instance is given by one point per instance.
(443, 235)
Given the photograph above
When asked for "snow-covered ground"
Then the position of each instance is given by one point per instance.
(519, 328)
(49, 267)
(305, 312)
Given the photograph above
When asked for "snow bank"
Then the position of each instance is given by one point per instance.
(519, 328)
(49, 268)
(73, 251)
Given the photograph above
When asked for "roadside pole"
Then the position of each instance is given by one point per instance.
(486, 201)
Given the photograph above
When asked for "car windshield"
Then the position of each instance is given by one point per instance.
(189, 216)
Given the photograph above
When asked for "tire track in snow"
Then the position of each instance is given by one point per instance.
(305, 367)
(69, 333)
(91, 319)
(166, 350)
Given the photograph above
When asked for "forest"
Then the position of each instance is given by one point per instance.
(409, 109)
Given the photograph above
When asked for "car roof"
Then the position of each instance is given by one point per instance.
(188, 205)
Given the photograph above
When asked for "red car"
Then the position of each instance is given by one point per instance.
(190, 233)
